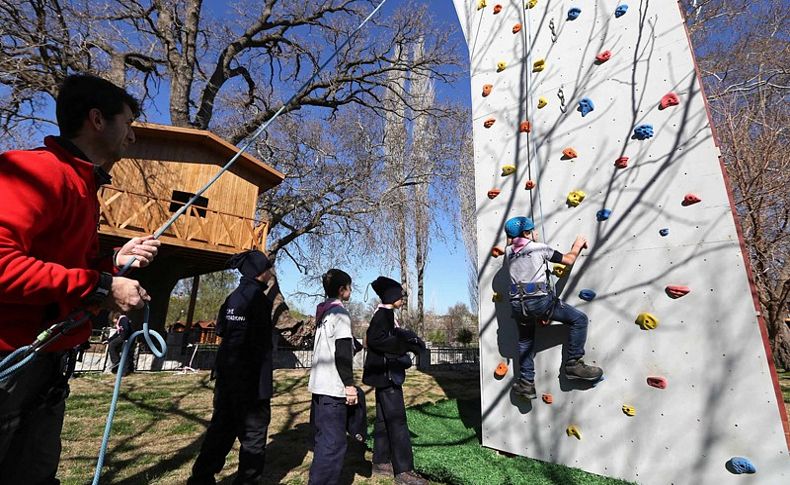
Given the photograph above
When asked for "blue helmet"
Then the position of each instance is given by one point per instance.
(516, 225)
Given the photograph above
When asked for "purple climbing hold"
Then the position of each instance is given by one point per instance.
(574, 13)
(739, 465)
(620, 10)
(603, 214)
(587, 294)
(643, 132)
(664, 232)
(585, 106)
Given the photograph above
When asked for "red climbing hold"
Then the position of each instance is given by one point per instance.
(497, 8)
(496, 251)
(621, 162)
(489, 122)
(487, 89)
(603, 56)
(530, 185)
(547, 398)
(657, 381)
(525, 127)
(493, 193)
(669, 99)
(517, 28)
(676, 291)
(690, 199)
(570, 153)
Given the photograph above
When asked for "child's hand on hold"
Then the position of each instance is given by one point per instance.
(580, 243)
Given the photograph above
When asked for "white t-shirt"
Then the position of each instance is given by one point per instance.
(528, 265)
(324, 378)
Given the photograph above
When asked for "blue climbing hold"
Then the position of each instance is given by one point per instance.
(585, 106)
(574, 13)
(739, 464)
(620, 10)
(587, 294)
(603, 214)
(664, 232)
(643, 132)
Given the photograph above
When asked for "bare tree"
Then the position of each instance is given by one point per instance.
(467, 215)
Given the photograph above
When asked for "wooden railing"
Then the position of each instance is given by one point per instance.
(122, 211)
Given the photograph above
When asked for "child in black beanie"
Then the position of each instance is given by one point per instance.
(385, 369)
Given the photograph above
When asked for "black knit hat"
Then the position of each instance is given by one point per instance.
(250, 263)
(388, 290)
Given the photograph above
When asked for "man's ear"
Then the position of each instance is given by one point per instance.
(95, 119)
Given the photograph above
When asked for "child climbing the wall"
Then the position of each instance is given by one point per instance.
(385, 369)
(532, 301)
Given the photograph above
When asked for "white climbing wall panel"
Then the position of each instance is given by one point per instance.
(721, 400)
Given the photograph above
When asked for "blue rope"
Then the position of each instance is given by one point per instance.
(12, 368)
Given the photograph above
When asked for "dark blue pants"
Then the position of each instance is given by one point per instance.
(391, 439)
(528, 310)
(328, 415)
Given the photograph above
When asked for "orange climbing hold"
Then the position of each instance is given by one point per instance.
(570, 153)
(547, 398)
(603, 56)
(621, 162)
(501, 370)
(493, 193)
(530, 185)
(690, 199)
(669, 99)
(496, 251)
(489, 122)
(658, 382)
(525, 127)
(517, 28)
(497, 8)
(677, 291)
(487, 89)
(574, 431)
(647, 321)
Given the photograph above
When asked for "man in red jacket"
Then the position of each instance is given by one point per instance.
(50, 263)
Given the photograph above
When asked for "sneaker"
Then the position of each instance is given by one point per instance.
(383, 469)
(410, 478)
(577, 369)
(525, 389)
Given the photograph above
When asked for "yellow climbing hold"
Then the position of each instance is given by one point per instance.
(481, 4)
(629, 410)
(500, 66)
(559, 270)
(575, 198)
(532, 3)
(539, 65)
(647, 321)
(542, 102)
(574, 431)
(496, 297)
(508, 170)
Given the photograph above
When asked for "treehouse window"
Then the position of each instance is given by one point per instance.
(179, 198)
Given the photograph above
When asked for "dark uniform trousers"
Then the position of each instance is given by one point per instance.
(32, 404)
(391, 439)
(235, 416)
(328, 416)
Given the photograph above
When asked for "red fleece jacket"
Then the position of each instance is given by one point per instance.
(48, 243)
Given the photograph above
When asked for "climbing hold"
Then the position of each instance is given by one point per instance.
(525, 127)
(574, 13)
(569, 153)
(587, 294)
(501, 370)
(669, 99)
(487, 89)
(658, 382)
(481, 4)
(532, 3)
(647, 321)
(547, 398)
(603, 57)
(508, 169)
(497, 8)
(496, 297)
(574, 431)
(539, 65)
(739, 465)
(690, 199)
(542, 102)
(489, 122)
(500, 66)
(664, 232)
(575, 198)
(603, 214)
(517, 28)
(621, 162)
(620, 10)
(496, 251)
(559, 270)
(629, 410)
(529, 185)
(493, 193)
(643, 132)
(676, 291)
(585, 106)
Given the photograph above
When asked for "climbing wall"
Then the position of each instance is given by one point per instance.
(589, 115)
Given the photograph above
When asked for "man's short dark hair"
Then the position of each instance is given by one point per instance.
(81, 93)
(333, 280)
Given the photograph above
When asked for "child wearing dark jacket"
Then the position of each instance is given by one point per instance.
(385, 369)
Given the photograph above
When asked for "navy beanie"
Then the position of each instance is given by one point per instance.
(388, 290)
(250, 263)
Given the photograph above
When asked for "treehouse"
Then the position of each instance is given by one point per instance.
(163, 170)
